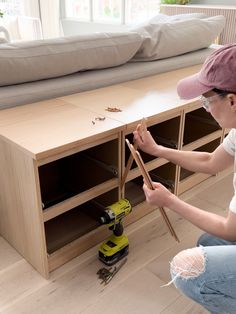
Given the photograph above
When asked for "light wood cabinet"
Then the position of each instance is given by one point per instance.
(54, 160)
(59, 163)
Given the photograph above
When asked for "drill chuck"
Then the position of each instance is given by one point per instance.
(115, 212)
(107, 217)
(103, 220)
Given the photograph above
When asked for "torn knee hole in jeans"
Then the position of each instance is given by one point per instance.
(189, 263)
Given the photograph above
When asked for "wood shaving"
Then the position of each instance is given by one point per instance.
(100, 118)
(113, 109)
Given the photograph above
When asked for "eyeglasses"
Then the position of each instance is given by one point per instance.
(205, 101)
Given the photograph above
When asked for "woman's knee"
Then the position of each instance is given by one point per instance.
(188, 263)
(185, 269)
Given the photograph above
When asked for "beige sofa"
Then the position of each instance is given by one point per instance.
(37, 70)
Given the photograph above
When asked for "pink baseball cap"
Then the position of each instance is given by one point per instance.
(218, 71)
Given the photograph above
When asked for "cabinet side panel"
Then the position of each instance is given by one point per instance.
(21, 222)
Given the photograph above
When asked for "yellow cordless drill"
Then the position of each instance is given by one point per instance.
(117, 245)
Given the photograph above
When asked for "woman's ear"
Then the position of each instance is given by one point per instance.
(232, 98)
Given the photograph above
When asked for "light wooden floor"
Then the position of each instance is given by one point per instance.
(75, 288)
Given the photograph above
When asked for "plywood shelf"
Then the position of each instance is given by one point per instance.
(79, 199)
(203, 140)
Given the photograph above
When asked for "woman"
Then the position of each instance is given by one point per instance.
(206, 273)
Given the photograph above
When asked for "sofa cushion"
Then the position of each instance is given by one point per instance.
(42, 59)
(176, 36)
(20, 94)
(164, 18)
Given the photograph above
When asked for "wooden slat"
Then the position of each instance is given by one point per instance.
(79, 199)
(191, 181)
(21, 220)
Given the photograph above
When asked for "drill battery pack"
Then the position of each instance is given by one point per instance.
(114, 249)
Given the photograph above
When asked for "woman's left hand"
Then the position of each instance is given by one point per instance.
(160, 197)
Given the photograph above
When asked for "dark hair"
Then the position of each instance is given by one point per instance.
(222, 93)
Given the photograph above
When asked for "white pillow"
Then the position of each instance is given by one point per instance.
(42, 59)
(163, 18)
(172, 38)
(187, 16)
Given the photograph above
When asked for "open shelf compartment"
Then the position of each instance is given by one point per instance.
(198, 123)
(74, 174)
(188, 178)
(79, 221)
(165, 133)
(164, 174)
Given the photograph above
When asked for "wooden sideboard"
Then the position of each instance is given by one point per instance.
(59, 155)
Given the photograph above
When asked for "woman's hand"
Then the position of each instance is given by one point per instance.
(160, 197)
(145, 141)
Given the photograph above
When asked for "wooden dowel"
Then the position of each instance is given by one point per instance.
(138, 159)
(150, 185)
(131, 158)
(162, 210)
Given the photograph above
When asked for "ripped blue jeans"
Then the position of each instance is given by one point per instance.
(207, 274)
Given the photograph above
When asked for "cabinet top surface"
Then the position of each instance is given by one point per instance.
(49, 127)
(148, 97)
(60, 124)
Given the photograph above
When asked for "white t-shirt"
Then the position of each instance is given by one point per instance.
(229, 145)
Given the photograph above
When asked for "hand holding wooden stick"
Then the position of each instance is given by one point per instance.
(131, 158)
(137, 157)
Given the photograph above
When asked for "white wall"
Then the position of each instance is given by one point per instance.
(72, 27)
